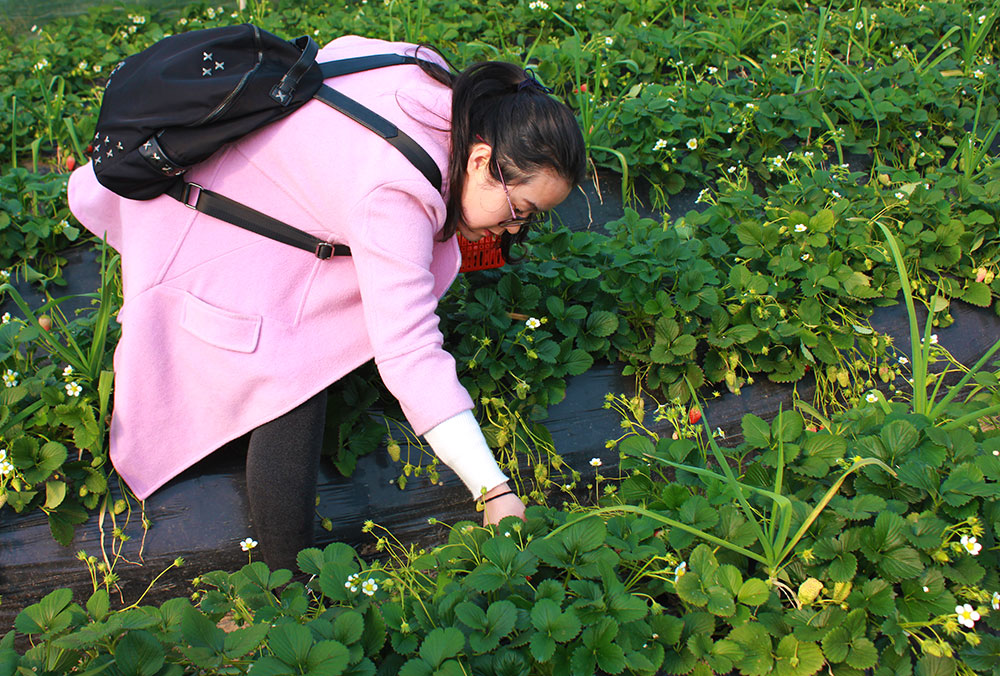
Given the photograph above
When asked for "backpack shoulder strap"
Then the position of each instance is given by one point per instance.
(387, 130)
(219, 206)
(356, 64)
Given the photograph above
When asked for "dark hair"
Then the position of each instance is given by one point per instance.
(528, 129)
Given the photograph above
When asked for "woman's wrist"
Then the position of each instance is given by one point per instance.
(499, 489)
(498, 492)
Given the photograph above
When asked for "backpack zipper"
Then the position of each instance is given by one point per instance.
(221, 108)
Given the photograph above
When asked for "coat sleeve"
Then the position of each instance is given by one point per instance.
(392, 246)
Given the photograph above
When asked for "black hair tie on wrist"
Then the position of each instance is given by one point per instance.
(531, 82)
(498, 495)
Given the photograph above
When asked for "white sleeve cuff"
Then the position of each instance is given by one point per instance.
(459, 443)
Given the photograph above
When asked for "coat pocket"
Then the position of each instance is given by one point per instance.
(218, 327)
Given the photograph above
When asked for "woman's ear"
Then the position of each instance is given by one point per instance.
(479, 159)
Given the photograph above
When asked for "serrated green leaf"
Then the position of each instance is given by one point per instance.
(742, 333)
(500, 620)
(688, 587)
(878, 597)
(899, 437)
(963, 481)
(720, 602)
(787, 426)
(475, 618)
(602, 323)
(241, 641)
(310, 560)
(902, 564)
(51, 457)
(48, 615)
(756, 644)
(290, 643)
(500, 550)
(638, 662)
(611, 659)
(544, 613)
(837, 644)
(582, 662)
(930, 665)
(348, 627)
(824, 446)
(414, 667)
(542, 647)
(486, 577)
(98, 604)
(636, 445)
(441, 644)
(797, 658)
(822, 221)
(843, 567)
(271, 666)
(55, 493)
(756, 432)
(753, 592)
(566, 626)
(862, 654)
(375, 631)
(584, 535)
(328, 657)
(729, 577)
(859, 507)
(138, 653)
(977, 294)
(578, 362)
(333, 574)
(703, 561)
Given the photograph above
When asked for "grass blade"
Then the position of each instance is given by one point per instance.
(632, 509)
(821, 505)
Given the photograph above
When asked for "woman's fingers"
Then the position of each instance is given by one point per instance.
(506, 505)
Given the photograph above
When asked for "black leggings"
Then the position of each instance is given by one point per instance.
(282, 467)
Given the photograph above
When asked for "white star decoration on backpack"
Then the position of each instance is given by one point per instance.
(206, 72)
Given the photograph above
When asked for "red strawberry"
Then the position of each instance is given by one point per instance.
(694, 415)
(70, 163)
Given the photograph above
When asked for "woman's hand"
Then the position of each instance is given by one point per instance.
(503, 505)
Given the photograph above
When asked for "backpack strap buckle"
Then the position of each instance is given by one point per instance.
(186, 195)
(285, 89)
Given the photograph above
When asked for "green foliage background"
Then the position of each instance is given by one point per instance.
(803, 128)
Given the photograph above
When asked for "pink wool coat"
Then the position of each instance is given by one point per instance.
(224, 330)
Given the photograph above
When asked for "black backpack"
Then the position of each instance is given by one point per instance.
(177, 102)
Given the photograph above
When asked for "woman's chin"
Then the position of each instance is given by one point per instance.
(470, 234)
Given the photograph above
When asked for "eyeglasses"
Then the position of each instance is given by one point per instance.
(515, 220)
